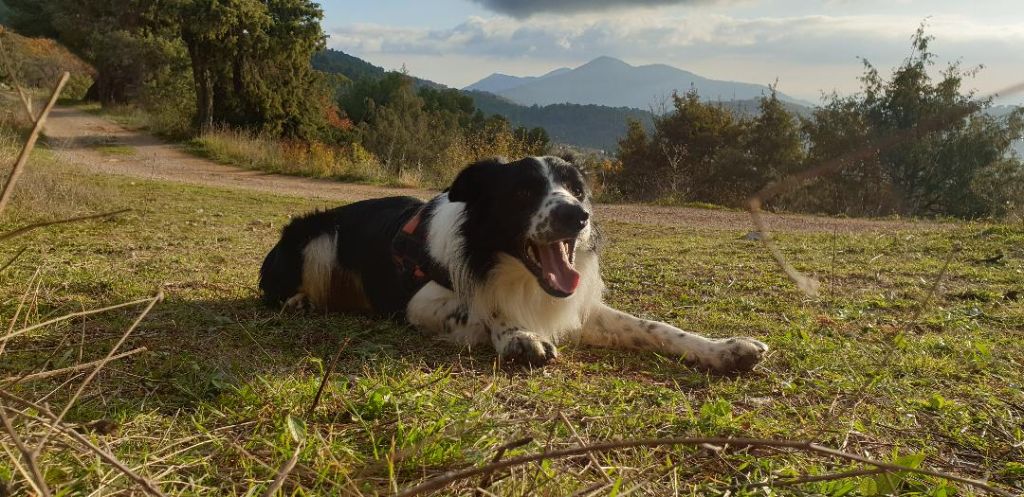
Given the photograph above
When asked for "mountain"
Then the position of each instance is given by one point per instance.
(614, 83)
(337, 62)
(584, 125)
(498, 82)
(589, 126)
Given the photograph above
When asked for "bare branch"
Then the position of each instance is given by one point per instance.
(445, 479)
(66, 317)
(579, 440)
(88, 379)
(327, 374)
(37, 481)
(109, 458)
(25, 229)
(57, 372)
(487, 478)
(17, 312)
(283, 473)
(13, 259)
(19, 165)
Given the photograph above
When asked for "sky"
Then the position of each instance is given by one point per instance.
(809, 47)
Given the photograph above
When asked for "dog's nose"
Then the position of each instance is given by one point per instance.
(570, 218)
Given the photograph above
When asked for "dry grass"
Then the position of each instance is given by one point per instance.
(43, 193)
(255, 151)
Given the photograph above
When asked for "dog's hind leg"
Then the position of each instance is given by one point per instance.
(437, 311)
(609, 328)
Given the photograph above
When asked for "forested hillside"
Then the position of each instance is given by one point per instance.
(592, 126)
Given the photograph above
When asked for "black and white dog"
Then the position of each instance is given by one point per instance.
(507, 256)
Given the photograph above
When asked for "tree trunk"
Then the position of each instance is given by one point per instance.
(204, 86)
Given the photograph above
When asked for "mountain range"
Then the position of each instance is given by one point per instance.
(594, 123)
(611, 82)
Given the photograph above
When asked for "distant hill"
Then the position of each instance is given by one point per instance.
(614, 83)
(583, 125)
(589, 126)
(498, 82)
(337, 62)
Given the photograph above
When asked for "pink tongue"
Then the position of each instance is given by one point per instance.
(556, 268)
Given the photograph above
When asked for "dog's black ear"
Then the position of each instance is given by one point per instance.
(468, 185)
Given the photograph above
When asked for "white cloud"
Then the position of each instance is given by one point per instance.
(806, 53)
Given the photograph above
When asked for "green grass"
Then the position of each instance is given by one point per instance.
(204, 409)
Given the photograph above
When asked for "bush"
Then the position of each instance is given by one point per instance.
(39, 62)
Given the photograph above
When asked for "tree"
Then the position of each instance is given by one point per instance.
(128, 42)
(251, 63)
(949, 156)
(685, 156)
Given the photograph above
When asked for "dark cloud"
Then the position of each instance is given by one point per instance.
(526, 8)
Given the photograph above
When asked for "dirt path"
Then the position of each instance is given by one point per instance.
(77, 133)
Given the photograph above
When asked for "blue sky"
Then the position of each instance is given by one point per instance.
(809, 46)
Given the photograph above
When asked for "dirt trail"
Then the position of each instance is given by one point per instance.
(76, 133)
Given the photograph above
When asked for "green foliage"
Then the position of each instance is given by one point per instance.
(39, 62)
(702, 152)
(237, 62)
(951, 159)
(906, 145)
(251, 64)
(425, 135)
(338, 62)
(592, 126)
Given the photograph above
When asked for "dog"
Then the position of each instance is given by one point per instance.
(507, 256)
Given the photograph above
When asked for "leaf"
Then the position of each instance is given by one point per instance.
(868, 487)
(615, 487)
(296, 428)
(911, 460)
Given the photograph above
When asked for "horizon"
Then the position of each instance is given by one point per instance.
(816, 49)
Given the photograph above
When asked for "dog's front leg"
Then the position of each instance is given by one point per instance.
(515, 344)
(437, 311)
(609, 328)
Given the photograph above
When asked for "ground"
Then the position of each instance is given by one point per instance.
(872, 366)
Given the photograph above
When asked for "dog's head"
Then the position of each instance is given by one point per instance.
(536, 209)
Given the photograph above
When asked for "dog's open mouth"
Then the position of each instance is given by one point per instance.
(552, 264)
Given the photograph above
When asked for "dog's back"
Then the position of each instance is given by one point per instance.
(340, 259)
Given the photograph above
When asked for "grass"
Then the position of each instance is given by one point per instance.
(205, 410)
(253, 151)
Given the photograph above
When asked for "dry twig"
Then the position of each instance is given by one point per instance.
(283, 473)
(35, 476)
(488, 477)
(25, 229)
(13, 259)
(327, 374)
(99, 366)
(107, 457)
(12, 334)
(71, 369)
(19, 165)
(446, 479)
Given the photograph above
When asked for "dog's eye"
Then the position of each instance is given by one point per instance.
(577, 191)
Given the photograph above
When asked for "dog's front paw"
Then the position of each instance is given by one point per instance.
(735, 355)
(297, 303)
(529, 350)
